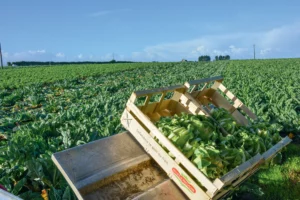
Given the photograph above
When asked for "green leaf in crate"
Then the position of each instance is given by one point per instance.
(19, 186)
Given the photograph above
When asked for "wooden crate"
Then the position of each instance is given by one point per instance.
(139, 121)
(211, 95)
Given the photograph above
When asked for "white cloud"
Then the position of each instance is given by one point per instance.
(5, 54)
(200, 50)
(106, 12)
(237, 50)
(60, 55)
(217, 52)
(80, 56)
(278, 42)
(265, 51)
(274, 43)
(30, 55)
(37, 51)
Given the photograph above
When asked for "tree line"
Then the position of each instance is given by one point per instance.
(207, 58)
(35, 63)
(227, 57)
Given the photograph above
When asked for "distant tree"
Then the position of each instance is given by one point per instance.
(35, 63)
(9, 64)
(204, 58)
(220, 57)
(216, 58)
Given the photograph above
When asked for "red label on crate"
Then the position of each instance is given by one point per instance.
(183, 180)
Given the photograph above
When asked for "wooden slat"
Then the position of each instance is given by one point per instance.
(149, 108)
(276, 148)
(148, 97)
(157, 108)
(184, 100)
(236, 183)
(194, 109)
(227, 92)
(240, 119)
(133, 97)
(237, 172)
(205, 80)
(220, 101)
(216, 85)
(237, 103)
(194, 88)
(159, 90)
(158, 154)
(205, 85)
(248, 112)
(166, 142)
(195, 105)
(145, 106)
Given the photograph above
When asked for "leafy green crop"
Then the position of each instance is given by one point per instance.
(48, 109)
(213, 151)
(41, 119)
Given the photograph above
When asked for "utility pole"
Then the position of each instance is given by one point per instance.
(1, 57)
(254, 51)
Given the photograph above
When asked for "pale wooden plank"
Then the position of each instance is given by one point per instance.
(188, 165)
(238, 171)
(237, 103)
(227, 92)
(269, 154)
(205, 85)
(195, 106)
(133, 97)
(145, 106)
(216, 85)
(159, 90)
(149, 108)
(220, 101)
(205, 80)
(248, 112)
(240, 119)
(184, 100)
(194, 88)
(148, 97)
(159, 155)
(165, 104)
(243, 178)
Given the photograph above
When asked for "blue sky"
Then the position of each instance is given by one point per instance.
(148, 30)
